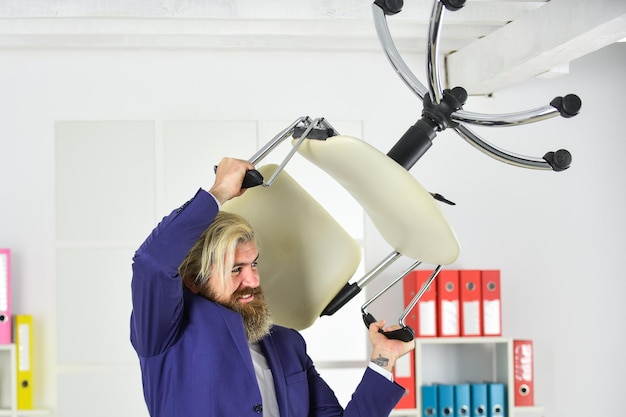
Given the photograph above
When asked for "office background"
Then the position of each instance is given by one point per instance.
(97, 145)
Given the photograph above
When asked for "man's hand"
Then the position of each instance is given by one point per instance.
(386, 351)
(228, 179)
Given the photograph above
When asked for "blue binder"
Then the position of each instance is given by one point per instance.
(445, 400)
(496, 400)
(429, 401)
(478, 399)
(462, 400)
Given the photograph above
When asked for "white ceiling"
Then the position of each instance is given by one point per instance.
(489, 44)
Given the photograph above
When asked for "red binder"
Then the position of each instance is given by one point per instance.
(5, 296)
(409, 289)
(404, 371)
(426, 308)
(523, 374)
(492, 306)
(448, 303)
(404, 375)
(470, 297)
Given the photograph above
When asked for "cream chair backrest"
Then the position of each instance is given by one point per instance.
(306, 257)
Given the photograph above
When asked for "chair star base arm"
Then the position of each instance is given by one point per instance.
(559, 160)
(567, 106)
(390, 7)
(453, 5)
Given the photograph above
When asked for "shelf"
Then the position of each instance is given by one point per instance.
(23, 413)
(461, 340)
(8, 389)
(404, 413)
(451, 360)
(533, 411)
(529, 411)
(454, 360)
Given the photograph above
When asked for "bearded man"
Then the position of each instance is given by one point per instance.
(203, 333)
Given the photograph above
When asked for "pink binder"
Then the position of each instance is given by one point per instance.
(5, 296)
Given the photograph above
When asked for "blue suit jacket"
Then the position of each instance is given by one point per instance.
(194, 355)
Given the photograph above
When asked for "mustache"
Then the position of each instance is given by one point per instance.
(248, 291)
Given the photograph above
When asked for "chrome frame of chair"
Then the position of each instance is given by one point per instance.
(567, 106)
(404, 333)
(303, 122)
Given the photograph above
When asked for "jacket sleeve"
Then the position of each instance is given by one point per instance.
(157, 292)
(375, 396)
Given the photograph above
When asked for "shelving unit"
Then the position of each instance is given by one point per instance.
(464, 359)
(8, 387)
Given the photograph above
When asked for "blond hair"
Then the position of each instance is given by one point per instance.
(214, 252)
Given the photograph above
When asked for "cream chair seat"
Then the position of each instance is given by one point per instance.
(405, 214)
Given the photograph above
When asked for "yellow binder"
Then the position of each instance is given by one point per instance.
(24, 347)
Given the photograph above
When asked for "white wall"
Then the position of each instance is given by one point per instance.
(557, 237)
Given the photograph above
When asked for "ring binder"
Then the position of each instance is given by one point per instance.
(5, 296)
(24, 347)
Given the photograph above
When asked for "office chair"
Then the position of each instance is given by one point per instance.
(308, 258)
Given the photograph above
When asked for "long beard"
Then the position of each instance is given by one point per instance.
(256, 317)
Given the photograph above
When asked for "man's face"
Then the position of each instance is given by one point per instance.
(243, 293)
(244, 278)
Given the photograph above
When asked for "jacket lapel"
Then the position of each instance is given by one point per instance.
(278, 374)
(234, 323)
